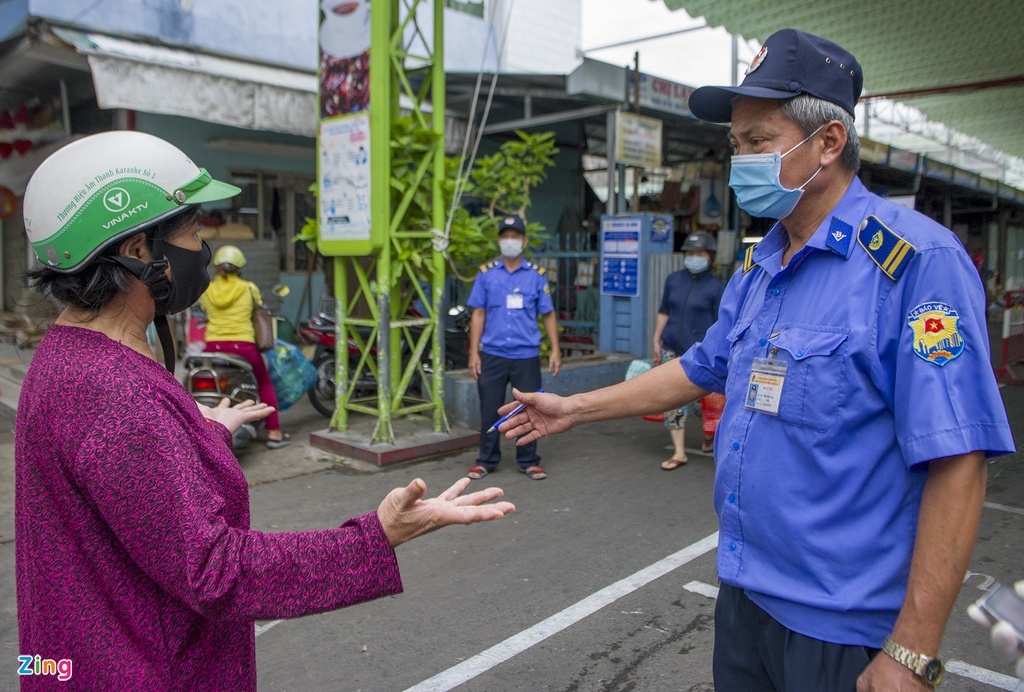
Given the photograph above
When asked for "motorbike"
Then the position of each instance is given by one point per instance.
(319, 331)
(212, 376)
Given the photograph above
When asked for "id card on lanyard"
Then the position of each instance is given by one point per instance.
(514, 300)
(767, 375)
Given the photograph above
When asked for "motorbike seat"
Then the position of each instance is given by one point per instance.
(208, 359)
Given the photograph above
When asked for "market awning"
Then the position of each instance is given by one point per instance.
(954, 61)
(169, 81)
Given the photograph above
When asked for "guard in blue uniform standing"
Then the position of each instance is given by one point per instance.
(861, 406)
(504, 341)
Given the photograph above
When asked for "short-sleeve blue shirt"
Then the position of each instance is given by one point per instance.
(818, 505)
(510, 331)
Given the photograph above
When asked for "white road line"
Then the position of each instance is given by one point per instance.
(260, 629)
(699, 587)
(984, 675)
(1004, 508)
(516, 644)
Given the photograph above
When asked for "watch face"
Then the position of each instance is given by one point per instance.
(933, 672)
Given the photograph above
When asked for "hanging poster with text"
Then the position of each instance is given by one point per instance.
(344, 177)
(343, 130)
(637, 140)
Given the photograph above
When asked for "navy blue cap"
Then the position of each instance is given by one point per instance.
(511, 222)
(790, 63)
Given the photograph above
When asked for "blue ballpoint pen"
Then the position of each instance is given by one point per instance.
(517, 409)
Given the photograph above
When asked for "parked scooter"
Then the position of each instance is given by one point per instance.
(320, 331)
(213, 376)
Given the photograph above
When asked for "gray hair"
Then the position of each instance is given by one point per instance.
(810, 112)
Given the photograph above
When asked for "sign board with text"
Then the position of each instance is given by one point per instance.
(344, 159)
(620, 256)
(637, 140)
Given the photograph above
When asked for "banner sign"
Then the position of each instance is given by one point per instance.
(664, 95)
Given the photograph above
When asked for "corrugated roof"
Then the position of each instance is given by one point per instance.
(910, 45)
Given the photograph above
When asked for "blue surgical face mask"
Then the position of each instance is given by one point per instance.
(695, 264)
(755, 178)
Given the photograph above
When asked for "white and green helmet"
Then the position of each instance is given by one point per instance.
(102, 188)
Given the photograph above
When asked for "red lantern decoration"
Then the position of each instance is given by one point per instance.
(22, 116)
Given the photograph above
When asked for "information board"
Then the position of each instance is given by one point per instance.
(344, 177)
(620, 257)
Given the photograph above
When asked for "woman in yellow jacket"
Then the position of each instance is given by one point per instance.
(228, 303)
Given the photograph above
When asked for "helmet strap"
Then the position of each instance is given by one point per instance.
(163, 330)
(153, 274)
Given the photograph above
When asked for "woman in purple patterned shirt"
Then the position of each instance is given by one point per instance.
(135, 559)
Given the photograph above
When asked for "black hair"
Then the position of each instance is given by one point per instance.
(96, 284)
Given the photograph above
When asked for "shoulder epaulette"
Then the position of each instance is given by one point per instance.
(748, 259)
(489, 265)
(887, 249)
(530, 265)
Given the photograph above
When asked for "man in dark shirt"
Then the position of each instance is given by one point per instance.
(689, 306)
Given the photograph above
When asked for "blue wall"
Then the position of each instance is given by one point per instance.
(270, 31)
(282, 32)
(13, 14)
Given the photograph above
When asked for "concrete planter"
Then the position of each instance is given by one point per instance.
(577, 375)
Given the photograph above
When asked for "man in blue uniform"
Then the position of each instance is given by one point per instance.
(504, 341)
(853, 351)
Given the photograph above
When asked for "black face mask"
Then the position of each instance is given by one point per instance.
(191, 280)
(190, 277)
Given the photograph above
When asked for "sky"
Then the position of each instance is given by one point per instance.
(695, 58)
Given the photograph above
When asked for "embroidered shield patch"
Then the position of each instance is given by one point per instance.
(937, 337)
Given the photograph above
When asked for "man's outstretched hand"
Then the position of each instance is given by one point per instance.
(545, 414)
(405, 515)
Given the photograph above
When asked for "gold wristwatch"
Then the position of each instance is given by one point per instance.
(928, 668)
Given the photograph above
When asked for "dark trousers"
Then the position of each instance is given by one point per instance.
(495, 375)
(754, 652)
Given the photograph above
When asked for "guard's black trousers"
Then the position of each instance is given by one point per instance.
(496, 374)
(756, 653)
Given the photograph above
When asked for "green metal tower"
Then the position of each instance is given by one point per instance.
(404, 263)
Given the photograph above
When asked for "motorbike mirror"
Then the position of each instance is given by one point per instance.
(280, 290)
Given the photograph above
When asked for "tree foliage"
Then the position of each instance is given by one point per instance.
(497, 185)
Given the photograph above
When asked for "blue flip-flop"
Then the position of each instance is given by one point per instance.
(278, 444)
